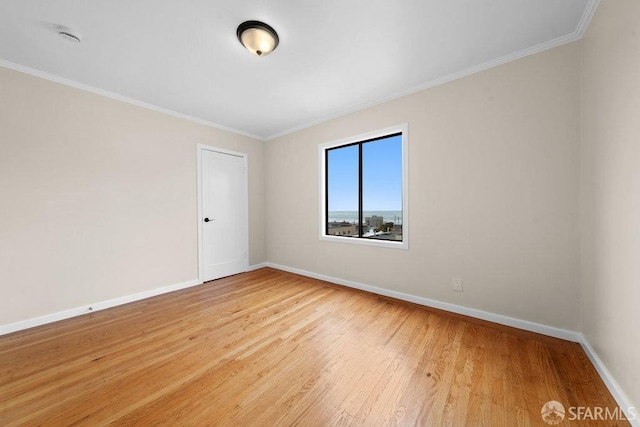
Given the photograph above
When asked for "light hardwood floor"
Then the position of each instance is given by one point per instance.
(272, 348)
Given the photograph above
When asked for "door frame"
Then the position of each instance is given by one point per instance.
(245, 203)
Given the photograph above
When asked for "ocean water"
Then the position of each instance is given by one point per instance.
(352, 216)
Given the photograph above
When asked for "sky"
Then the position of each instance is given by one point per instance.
(382, 176)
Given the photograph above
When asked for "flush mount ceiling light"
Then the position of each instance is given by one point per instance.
(69, 34)
(258, 37)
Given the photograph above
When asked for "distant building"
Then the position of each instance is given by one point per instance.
(374, 221)
(394, 234)
(343, 228)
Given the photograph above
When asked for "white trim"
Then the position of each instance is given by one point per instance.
(257, 266)
(589, 11)
(245, 201)
(623, 401)
(90, 308)
(402, 128)
(526, 325)
(618, 394)
(199, 209)
(576, 35)
(587, 15)
(122, 98)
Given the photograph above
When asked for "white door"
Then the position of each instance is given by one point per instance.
(223, 214)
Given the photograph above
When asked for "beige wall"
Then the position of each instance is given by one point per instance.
(611, 190)
(98, 197)
(493, 193)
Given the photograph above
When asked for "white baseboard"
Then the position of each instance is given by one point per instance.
(257, 266)
(90, 308)
(454, 308)
(631, 412)
(618, 394)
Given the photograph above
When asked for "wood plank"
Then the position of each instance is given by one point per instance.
(274, 348)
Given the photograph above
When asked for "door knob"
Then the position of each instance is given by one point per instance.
(207, 220)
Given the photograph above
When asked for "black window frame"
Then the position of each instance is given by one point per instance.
(360, 143)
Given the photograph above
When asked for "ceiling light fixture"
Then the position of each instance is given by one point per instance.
(258, 37)
(69, 34)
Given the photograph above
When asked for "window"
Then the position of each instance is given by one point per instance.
(363, 189)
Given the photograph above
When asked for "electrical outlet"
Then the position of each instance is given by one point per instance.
(456, 284)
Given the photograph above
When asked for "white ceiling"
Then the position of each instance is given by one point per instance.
(335, 56)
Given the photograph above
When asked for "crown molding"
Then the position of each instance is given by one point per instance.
(581, 28)
(576, 35)
(77, 85)
(589, 11)
(436, 82)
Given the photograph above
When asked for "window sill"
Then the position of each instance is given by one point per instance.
(367, 242)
